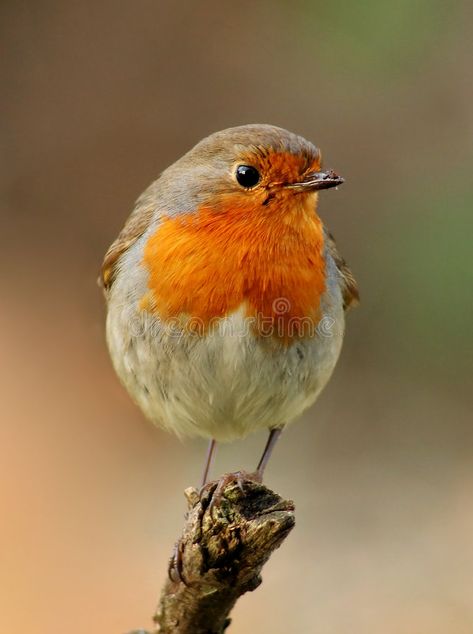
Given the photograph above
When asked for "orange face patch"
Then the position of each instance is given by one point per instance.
(237, 250)
(279, 168)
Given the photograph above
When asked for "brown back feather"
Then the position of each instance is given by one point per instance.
(135, 226)
(349, 286)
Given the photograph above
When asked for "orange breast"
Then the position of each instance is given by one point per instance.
(206, 265)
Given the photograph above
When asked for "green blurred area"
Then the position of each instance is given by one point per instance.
(381, 41)
(431, 248)
(99, 97)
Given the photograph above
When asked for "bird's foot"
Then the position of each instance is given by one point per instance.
(215, 490)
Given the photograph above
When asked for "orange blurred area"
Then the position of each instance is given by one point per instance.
(97, 99)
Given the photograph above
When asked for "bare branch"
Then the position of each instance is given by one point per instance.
(221, 553)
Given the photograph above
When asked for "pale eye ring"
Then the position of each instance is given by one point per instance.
(247, 176)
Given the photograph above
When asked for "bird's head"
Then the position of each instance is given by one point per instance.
(249, 168)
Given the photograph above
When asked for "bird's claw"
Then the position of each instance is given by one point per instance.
(176, 564)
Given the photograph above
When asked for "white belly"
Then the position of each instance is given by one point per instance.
(225, 384)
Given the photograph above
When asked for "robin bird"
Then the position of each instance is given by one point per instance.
(225, 292)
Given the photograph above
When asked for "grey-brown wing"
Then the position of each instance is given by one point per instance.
(135, 226)
(349, 286)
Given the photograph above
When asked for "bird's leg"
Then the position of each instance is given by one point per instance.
(239, 477)
(274, 434)
(208, 461)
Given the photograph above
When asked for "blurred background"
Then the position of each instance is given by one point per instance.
(97, 98)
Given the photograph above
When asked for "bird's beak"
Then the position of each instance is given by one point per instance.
(313, 181)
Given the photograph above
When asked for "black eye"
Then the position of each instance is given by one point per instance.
(247, 175)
